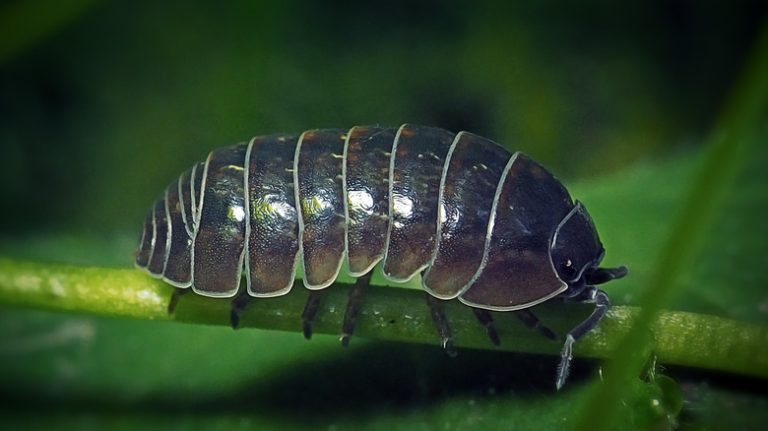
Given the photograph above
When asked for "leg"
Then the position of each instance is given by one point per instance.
(353, 307)
(238, 306)
(532, 322)
(604, 275)
(310, 311)
(441, 321)
(177, 293)
(602, 303)
(485, 319)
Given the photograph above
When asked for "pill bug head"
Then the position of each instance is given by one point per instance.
(577, 252)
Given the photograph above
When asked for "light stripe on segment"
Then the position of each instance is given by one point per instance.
(247, 196)
(168, 232)
(390, 208)
(219, 244)
(195, 199)
(416, 165)
(517, 270)
(345, 194)
(272, 232)
(158, 256)
(492, 219)
(177, 271)
(185, 201)
(319, 198)
(367, 154)
(473, 169)
(441, 213)
(299, 216)
(145, 244)
(141, 245)
(197, 185)
(154, 238)
(390, 182)
(192, 194)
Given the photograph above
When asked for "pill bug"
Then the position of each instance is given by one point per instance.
(492, 228)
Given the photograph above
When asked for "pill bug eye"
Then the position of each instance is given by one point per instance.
(489, 227)
(567, 269)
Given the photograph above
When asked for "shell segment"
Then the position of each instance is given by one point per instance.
(472, 172)
(196, 184)
(160, 240)
(517, 270)
(145, 243)
(272, 223)
(217, 254)
(185, 199)
(366, 171)
(178, 263)
(320, 197)
(416, 167)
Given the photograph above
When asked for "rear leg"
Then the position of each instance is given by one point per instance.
(353, 307)
(602, 303)
(437, 311)
(174, 301)
(485, 319)
(310, 312)
(532, 322)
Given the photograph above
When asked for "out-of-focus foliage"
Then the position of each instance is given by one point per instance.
(101, 108)
(98, 117)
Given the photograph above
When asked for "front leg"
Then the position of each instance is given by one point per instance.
(602, 303)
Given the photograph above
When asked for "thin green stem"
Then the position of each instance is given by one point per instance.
(729, 144)
(388, 313)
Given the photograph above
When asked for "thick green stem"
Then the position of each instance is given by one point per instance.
(388, 313)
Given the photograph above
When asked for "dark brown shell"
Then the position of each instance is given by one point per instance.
(479, 223)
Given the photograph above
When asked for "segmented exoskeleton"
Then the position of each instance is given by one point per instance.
(491, 228)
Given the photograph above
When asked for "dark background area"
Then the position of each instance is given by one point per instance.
(104, 110)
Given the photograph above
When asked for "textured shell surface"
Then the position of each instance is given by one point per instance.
(475, 221)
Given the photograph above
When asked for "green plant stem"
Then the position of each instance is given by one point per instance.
(388, 313)
(729, 145)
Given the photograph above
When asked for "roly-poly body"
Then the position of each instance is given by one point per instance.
(489, 227)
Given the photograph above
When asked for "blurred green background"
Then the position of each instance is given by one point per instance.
(102, 104)
(102, 111)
